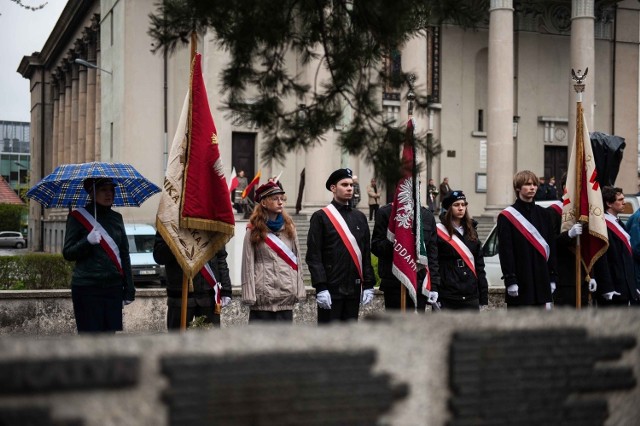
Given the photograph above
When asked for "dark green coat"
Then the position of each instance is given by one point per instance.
(93, 266)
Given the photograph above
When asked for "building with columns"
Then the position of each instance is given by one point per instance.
(500, 95)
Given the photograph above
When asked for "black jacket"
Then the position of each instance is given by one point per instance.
(457, 281)
(383, 249)
(201, 290)
(521, 263)
(93, 266)
(329, 262)
(614, 271)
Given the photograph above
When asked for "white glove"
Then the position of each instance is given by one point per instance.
(432, 298)
(367, 296)
(575, 230)
(126, 302)
(224, 301)
(553, 287)
(593, 286)
(324, 299)
(512, 290)
(609, 296)
(94, 237)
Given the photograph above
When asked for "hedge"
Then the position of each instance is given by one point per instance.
(35, 271)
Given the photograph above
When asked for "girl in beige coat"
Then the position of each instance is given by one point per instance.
(271, 269)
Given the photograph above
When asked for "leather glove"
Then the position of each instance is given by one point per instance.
(432, 298)
(593, 286)
(609, 296)
(512, 290)
(126, 302)
(324, 299)
(94, 237)
(575, 230)
(553, 287)
(224, 301)
(367, 296)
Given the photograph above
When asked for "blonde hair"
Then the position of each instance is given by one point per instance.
(523, 177)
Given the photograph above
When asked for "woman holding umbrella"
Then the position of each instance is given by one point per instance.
(95, 239)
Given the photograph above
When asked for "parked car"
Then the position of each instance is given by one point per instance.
(12, 239)
(490, 246)
(145, 270)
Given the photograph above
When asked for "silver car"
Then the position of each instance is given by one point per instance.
(12, 239)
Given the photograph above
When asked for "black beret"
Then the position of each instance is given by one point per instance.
(452, 198)
(337, 176)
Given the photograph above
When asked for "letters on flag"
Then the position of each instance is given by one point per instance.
(583, 188)
(409, 250)
(195, 192)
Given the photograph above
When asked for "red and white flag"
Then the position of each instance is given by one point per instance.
(409, 250)
(582, 199)
(233, 180)
(195, 216)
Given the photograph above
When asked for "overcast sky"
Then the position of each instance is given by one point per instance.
(22, 32)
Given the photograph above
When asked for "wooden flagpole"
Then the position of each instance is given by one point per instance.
(185, 279)
(579, 88)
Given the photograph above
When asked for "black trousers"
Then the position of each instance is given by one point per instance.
(459, 305)
(269, 316)
(174, 313)
(97, 309)
(341, 310)
(373, 208)
(392, 300)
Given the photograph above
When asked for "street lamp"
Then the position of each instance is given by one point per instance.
(90, 65)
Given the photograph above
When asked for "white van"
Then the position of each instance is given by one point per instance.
(145, 270)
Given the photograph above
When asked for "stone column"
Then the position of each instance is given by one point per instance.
(61, 87)
(318, 168)
(582, 57)
(67, 115)
(98, 117)
(500, 150)
(90, 136)
(73, 147)
(82, 105)
(54, 134)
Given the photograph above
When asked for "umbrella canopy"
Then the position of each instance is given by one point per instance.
(63, 187)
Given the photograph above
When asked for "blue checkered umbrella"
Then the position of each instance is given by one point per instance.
(63, 187)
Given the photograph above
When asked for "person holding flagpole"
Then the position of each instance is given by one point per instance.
(463, 281)
(211, 286)
(95, 239)
(382, 248)
(271, 271)
(526, 247)
(339, 254)
(614, 272)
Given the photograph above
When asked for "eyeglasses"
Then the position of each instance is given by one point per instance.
(278, 199)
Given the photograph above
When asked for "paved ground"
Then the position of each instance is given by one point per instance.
(12, 252)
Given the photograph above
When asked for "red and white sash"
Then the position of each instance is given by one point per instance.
(210, 278)
(347, 237)
(459, 246)
(618, 230)
(282, 250)
(556, 206)
(528, 230)
(106, 242)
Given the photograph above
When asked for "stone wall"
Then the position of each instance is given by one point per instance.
(50, 312)
(523, 367)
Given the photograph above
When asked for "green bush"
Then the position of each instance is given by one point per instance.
(11, 217)
(35, 271)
